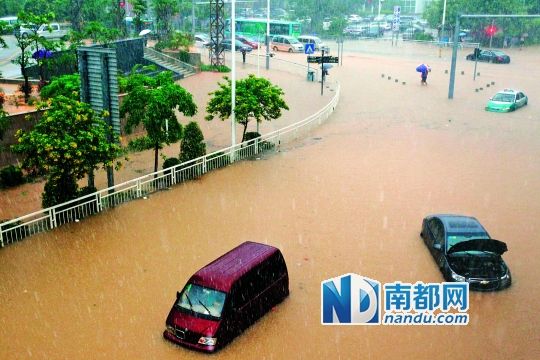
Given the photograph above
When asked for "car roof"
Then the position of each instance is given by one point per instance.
(460, 223)
(223, 272)
(509, 91)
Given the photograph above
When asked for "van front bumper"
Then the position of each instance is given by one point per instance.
(185, 342)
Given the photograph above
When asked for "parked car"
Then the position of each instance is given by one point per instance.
(286, 43)
(353, 18)
(464, 252)
(248, 41)
(319, 45)
(492, 56)
(226, 296)
(410, 33)
(240, 46)
(9, 22)
(507, 100)
(202, 40)
(48, 31)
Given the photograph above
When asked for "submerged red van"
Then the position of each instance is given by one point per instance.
(226, 296)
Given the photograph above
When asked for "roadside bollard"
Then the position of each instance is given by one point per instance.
(446, 71)
(476, 89)
(477, 74)
(382, 75)
(404, 83)
(493, 83)
(462, 72)
(389, 78)
(396, 80)
(481, 89)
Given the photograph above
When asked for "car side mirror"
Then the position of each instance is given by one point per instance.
(178, 294)
(490, 98)
(437, 247)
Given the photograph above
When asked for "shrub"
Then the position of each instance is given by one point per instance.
(4, 123)
(251, 135)
(11, 176)
(58, 190)
(161, 45)
(423, 37)
(2, 99)
(193, 145)
(66, 85)
(32, 100)
(170, 162)
(140, 144)
(217, 68)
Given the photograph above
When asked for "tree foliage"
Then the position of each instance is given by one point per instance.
(100, 34)
(507, 27)
(152, 102)
(65, 85)
(256, 98)
(164, 10)
(68, 142)
(193, 145)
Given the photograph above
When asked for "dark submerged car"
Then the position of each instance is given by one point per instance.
(492, 56)
(465, 252)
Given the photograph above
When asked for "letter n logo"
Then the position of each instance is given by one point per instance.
(350, 299)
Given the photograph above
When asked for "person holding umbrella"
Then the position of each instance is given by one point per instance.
(423, 69)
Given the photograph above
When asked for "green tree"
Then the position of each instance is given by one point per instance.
(139, 10)
(181, 40)
(68, 142)
(65, 85)
(164, 10)
(100, 34)
(152, 102)
(4, 123)
(28, 41)
(256, 98)
(193, 145)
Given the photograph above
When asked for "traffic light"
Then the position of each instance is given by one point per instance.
(491, 30)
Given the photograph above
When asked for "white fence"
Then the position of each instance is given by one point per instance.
(74, 210)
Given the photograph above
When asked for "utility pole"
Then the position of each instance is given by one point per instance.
(267, 34)
(233, 78)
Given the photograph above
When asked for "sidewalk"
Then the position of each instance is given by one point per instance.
(26, 198)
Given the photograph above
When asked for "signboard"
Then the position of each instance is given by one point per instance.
(396, 21)
(323, 59)
(309, 49)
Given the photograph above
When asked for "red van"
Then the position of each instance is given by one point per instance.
(226, 296)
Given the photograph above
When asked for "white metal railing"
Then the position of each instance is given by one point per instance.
(76, 209)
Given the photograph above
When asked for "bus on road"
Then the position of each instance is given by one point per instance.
(256, 28)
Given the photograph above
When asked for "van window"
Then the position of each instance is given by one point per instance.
(257, 280)
(200, 300)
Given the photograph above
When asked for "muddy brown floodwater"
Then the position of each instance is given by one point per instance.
(350, 197)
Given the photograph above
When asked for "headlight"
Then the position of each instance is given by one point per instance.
(170, 329)
(209, 341)
(457, 277)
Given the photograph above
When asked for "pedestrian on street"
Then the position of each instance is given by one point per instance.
(423, 69)
(243, 55)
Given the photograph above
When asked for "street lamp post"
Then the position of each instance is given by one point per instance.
(379, 12)
(267, 34)
(442, 27)
(233, 77)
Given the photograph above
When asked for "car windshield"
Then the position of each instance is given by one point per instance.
(202, 301)
(509, 98)
(498, 53)
(294, 41)
(455, 238)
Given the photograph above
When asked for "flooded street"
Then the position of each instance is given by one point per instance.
(350, 197)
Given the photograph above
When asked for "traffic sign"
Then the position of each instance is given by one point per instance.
(323, 59)
(309, 49)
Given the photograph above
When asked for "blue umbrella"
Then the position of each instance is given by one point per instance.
(422, 68)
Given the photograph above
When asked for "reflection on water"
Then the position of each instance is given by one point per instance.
(351, 201)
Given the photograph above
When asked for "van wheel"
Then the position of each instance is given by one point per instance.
(290, 50)
(275, 48)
